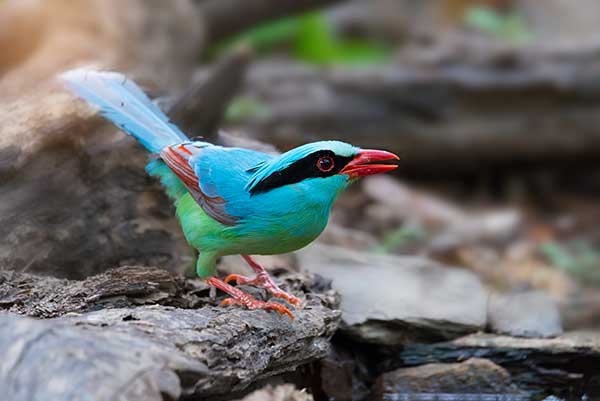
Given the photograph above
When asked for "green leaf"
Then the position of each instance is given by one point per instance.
(315, 41)
(309, 38)
(318, 44)
(262, 38)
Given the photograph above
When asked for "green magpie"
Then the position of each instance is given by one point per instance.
(233, 201)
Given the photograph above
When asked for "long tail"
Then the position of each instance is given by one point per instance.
(121, 101)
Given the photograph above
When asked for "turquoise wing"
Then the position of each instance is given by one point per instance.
(223, 173)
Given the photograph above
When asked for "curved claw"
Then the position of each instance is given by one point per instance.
(279, 308)
(237, 278)
(290, 298)
(255, 304)
(229, 302)
(262, 280)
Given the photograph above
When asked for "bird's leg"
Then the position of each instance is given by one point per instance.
(239, 297)
(262, 279)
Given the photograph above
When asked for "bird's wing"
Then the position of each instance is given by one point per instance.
(215, 176)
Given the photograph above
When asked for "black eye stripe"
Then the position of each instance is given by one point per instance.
(301, 170)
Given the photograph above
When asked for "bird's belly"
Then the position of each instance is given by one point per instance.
(282, 234)
(259, 235)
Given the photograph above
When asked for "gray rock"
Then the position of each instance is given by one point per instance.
(393, 300)
(524, 314)
(564, 363)
(339, 379)
(474, 376)
(108, 339)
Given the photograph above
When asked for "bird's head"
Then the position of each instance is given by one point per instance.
(325, 166)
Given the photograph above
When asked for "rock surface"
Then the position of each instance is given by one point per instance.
(448, 225)
(338, 374)
(474, 376)
(48, 297)
(148, 352)
(524, 314)
(567, 364)
(393, 300)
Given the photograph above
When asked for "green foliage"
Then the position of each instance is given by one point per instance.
(309, 38)
(577, 258)
(244, 107)
(405, 235)
(318, 44)
(265, 37)
(511, 26)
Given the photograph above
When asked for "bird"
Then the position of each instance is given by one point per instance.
(230, 200)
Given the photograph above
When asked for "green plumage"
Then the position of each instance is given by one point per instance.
(195, 223)
(265, 236)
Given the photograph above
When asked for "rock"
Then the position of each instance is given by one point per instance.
(474, 376)
(393, 300)
(449, 225)
(517, 267)
(126, 286)
(74, 193)
(284, 392)
(338, 376)
(566, 364)
(524, 314)
(106, 339)
(335, 234)
(407, 202)
(137, 37)
(581, 309)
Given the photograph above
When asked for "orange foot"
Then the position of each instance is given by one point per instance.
(239, 297)
(252, 303)
(263, 280)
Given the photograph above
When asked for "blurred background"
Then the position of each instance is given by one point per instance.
(491, 223)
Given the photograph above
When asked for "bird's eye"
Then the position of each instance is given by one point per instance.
(325, 164)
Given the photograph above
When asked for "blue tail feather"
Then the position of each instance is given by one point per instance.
(121, 101)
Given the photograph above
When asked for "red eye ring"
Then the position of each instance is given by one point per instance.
(325, 164)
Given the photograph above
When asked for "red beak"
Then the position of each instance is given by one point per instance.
(360, 167)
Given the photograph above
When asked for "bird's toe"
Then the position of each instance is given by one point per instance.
(230, 302)
(279, 308)
(252, 303)
(237, 278)
(291, 299)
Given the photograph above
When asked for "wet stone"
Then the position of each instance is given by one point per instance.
(472, 377)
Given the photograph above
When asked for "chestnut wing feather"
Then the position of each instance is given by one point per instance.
(177, 158)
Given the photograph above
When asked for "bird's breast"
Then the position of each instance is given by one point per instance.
(273, 234)
(284, 219)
